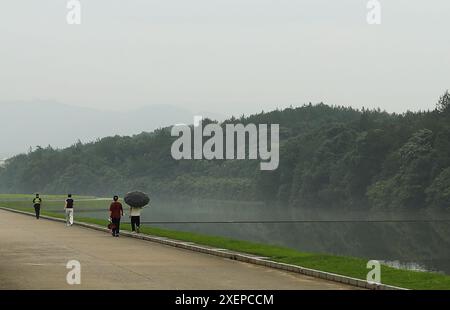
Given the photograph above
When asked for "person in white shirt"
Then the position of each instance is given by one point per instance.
(135, 215)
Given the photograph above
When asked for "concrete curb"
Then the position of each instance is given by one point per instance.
(247, 258)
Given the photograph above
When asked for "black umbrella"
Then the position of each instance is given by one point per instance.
(137, 199)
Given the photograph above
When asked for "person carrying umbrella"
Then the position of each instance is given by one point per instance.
(135, 216)
(136, 200)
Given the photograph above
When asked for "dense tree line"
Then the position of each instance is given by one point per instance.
(329, 157)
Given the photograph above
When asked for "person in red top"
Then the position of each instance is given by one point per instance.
(116, 212)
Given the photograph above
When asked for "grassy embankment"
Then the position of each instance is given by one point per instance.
(348, 266)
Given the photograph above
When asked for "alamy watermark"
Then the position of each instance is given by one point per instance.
(73, 16)
(238, 139)
(374, 12)
(374, 275)
(73, 277)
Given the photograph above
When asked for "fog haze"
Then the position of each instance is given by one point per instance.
(227, 57)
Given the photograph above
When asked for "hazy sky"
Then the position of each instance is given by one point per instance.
(225, 56)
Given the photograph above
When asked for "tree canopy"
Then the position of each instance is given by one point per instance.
(329, 157)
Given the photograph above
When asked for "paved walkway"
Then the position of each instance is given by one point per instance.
(34, 254)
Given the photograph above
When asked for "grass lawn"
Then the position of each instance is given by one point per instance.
(348, 266)
(29, 197)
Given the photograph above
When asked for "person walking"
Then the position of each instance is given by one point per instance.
(135, 215)
(115, 212)
(68, 207)
(37, 201)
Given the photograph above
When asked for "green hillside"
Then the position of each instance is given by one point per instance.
(329, 157)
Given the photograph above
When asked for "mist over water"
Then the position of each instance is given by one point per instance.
(406, 245)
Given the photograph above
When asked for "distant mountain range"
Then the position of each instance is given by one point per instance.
(29, 124)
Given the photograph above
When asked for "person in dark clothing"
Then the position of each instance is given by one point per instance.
(37, 201)
(68, 207)
(116, 212)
